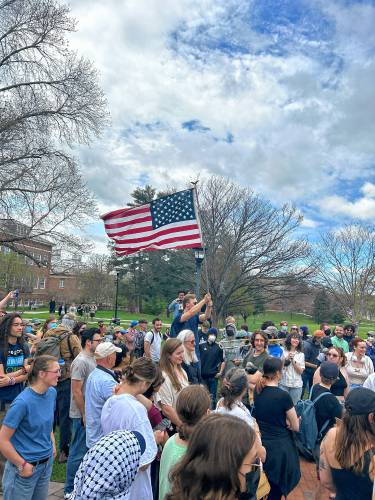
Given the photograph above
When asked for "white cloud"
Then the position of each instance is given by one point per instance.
(309, 223)
(299, 124)
(361, 209)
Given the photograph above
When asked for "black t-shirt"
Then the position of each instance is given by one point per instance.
(17, 353)
(270, 407)
(212, 356)
(339, 386)
(327, 408)
(311, 351)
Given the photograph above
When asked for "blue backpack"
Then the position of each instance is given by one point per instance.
(308, 436)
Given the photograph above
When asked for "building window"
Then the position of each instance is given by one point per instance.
(42, 283)
(61, 284)
(36, 283)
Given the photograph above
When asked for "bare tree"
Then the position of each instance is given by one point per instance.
(347, 268)
(95, 282)
(49, 100)
(251, 246)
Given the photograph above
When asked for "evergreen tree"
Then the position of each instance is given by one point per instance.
(322, 307)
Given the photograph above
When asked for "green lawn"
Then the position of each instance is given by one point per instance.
(58, 470)
(253, 322)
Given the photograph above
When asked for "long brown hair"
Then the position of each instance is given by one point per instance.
(166, 365)
(5, 329)
(205, 472)
(193, 402)
(353, 437)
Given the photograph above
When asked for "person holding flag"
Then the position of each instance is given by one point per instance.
(191, 315)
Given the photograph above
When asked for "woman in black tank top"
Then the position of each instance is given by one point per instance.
(347, 461)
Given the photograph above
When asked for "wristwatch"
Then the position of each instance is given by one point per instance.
(21, 467)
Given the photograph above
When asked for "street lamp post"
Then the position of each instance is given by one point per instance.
(199, 256)
(116, 298)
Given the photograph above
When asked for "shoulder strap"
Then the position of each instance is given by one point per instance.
(320, 396)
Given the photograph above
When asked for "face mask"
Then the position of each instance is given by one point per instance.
(252, 482)
(284, 328)
(53, 325)
(28, 329)
(211, 339)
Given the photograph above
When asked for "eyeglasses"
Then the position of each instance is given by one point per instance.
(53, 371)
(255, 465)
(190, 341)
(99, 340)
(332, 355)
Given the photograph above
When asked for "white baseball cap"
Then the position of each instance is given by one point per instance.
(105, 349)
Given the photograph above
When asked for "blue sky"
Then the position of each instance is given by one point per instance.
(277, 95)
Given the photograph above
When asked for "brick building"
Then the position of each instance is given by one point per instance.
(34, 287)
(64, 287)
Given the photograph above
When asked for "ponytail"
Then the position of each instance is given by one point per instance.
(234, 384)
(261, 384)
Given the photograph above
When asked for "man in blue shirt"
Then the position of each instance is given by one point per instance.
(176, 305)
(190, 317)
(99, 387)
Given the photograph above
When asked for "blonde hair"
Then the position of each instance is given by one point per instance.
(189, 356)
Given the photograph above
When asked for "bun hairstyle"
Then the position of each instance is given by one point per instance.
(271, 367)
(234, 384)
(141, 370)
(193, 402)
(40, 364)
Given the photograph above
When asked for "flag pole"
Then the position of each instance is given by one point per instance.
(194, 183)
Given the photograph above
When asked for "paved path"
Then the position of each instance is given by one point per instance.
(306, 489)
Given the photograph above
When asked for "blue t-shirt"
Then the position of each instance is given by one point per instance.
(191, 324)
(17, 353)
(31, 415)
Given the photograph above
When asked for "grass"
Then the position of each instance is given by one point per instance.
(58, 470)
(254, 322)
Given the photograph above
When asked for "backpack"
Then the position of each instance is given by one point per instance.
(308, 436)
(139, 343)
(51, 346)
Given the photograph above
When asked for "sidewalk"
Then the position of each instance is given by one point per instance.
(304, 491)
(55, 492)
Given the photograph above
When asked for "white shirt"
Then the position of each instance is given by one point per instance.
(370, 382)
(125, 412)
(358, 371)
(168, 394)
(290, 377)
(238, 410)
(154, 339)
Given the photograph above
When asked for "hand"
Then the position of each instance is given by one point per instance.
(54, 451)
(218, 375)
(291, 355)
(115, 389)
(4, 380)
(28, 470)
(161, 437)
(207, 298)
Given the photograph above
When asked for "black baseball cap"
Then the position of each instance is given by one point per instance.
(329, 370)
(360, 401)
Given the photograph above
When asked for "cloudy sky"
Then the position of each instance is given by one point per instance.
(278, 95)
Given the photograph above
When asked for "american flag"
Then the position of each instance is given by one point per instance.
(168, 222)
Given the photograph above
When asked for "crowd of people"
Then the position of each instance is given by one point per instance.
(191, 413)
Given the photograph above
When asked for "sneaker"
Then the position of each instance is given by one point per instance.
(63, 458)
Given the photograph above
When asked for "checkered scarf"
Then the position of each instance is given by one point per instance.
(108, 469)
